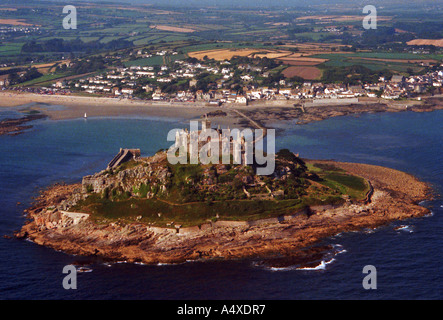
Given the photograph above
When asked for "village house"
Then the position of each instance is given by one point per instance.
(4, 82)
(116, 91)
(127, 91)
(149, 78)
(241, 100)
(397, 80)
(285, 91)
(149, 88)
(158, 96)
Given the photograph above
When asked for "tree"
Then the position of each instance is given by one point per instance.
(31, 73)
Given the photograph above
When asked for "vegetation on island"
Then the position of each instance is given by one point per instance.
(189, 195)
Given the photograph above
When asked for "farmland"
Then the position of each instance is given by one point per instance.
(15, 22)
(427, 42)
(396, 62)
(308, 73)
(305, 42)
(11, 49)
(340, 18)
(173, 29)
(303, 61)
(223, 54)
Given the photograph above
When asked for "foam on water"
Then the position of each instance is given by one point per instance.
(321, 266)
(84, 269)
(405, 228)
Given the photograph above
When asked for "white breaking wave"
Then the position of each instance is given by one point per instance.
(173, 264)
(369, 231)
(338, 249)
(338, 235)
(282, 269)
(321, 266)
(323, 263)
(404, 228)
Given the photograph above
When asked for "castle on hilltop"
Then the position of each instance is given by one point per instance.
(206, 140)
(204, 145)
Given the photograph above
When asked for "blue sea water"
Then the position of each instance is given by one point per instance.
(408, 260)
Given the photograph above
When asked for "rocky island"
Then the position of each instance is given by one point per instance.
(14, 127)
(143, 209)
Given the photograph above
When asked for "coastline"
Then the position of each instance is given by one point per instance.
(266, 113)
(396, 196)
(75, 107)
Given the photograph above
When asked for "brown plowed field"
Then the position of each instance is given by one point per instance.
(426, 42)
(305, 72)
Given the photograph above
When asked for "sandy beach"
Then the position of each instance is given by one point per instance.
(63, 107)
(265, 113)
(77, 106)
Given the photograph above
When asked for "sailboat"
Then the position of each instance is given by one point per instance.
(85, 116)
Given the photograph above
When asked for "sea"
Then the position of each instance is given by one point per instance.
(407, 256)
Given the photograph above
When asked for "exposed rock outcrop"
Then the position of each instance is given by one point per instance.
(152, 172)
(395, 197)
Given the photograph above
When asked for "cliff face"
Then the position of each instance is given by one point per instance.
(137, 242)
(154, 176)
(152, 171)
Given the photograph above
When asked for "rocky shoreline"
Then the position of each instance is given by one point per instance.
(265, 113)
(14, 127)
(304, 115)
(395, 197)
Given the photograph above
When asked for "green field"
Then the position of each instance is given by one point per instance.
(343, 59)
(216, 28)
(349, 59)
(45, 80)
(10, 49)
(337, 179)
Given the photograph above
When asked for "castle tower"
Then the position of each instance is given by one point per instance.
(177, 138)
(226, 149)
(247, 159)
(184, 138)
(237, 149)
(193, 147)
(206, 124)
